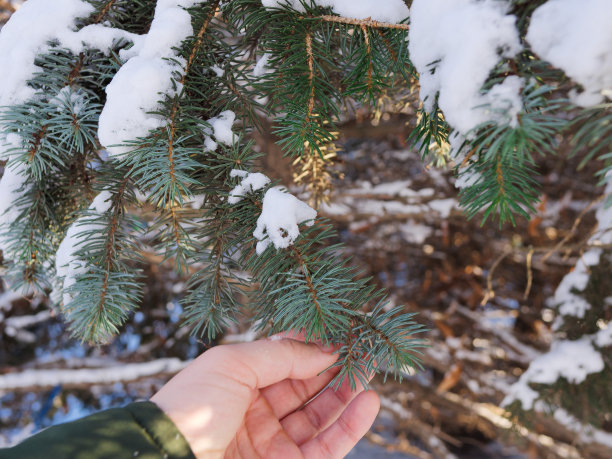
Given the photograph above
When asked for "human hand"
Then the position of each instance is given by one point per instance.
(249, 400)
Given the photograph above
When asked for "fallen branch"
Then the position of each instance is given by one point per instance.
(124, 372)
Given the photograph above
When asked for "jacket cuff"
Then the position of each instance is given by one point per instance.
(161, 430)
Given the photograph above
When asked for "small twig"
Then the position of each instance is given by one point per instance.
(359, 22)
(572, 231)
(529, 273)
(311, 97)
(490, 292)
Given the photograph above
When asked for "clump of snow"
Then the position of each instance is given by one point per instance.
(222, 127)
(280, 216)
(68, 265)
(575, 36)
(149, 75)
(603, 338)
(218, 70)
(28, 34)
(250, 183)
(393, 11)
(572, 360)
(454, 44)
(95, 36)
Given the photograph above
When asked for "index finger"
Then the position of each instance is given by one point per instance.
(268, 361)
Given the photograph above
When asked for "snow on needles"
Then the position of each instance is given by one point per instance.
(250, 183)
(67, 263)
(28, 33)
(281, 212)
(148, 75)
(576, 36)
(393, 11)
(454, 45)
(280, 215)
(572, 360)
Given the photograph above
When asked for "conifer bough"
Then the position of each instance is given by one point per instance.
(120, 121)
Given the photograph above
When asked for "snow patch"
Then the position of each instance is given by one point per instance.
(576, 36)
(572, 360)
(454, 45)
(250, 183)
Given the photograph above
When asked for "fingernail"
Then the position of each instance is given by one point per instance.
(327, 347)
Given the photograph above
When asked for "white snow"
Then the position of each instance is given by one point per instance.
(218, 70)
(222, 127)
(28, 33)
(393, 11)
(121, 372)
(587, 433)
(250, 183)
(67, 264)
(415, 233)
(95, 36)
(576, 36)
(568, 301)
(443, 206)
(572, 360)
(603, 338)
(571, 304)
(454, 45)
(280, 215)
(146, 78)
(7, 297)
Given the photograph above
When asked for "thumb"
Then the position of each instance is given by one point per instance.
(268, 361)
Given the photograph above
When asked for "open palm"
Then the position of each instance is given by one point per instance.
(256, 400)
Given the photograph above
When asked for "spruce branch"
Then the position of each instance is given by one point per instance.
(104, 11)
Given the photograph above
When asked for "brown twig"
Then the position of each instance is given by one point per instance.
(310, 59)
(529, 273)
(490, 292)
(366, 36)
(104, 11)
(572, 231)
(359, 22)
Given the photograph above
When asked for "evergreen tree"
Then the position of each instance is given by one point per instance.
(121, 127)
